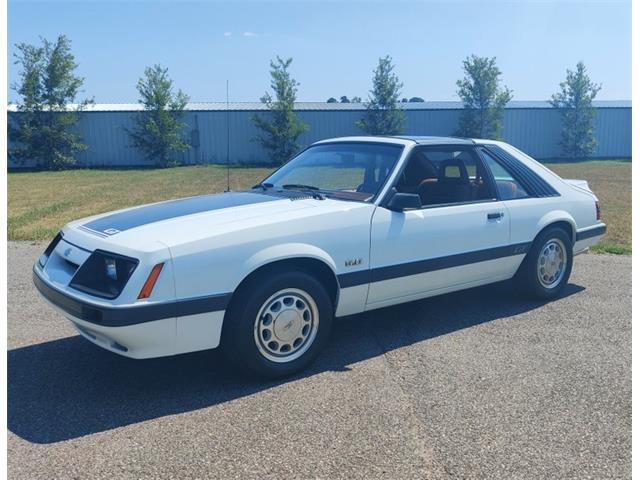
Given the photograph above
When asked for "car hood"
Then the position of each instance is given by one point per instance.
(188, 219)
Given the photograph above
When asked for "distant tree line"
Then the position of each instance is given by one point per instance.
(49, 108)
(345, 99)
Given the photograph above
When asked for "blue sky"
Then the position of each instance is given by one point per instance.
(335, 45)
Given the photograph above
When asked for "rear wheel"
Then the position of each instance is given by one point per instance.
(278, 323)
(547, 267)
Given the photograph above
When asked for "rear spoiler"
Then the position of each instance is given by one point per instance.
(581, 184)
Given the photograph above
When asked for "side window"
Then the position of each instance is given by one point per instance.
(508, 187)
(444, 176)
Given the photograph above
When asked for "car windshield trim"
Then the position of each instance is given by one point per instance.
(332, 194)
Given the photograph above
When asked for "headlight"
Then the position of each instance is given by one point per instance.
(111, 269)
(104, 274)
(47, 253)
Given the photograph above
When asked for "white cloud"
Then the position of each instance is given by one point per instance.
(249, 34)
(228, 34)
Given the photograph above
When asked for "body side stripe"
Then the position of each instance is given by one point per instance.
(123, 316)
(353, 279)
(592, 232)
(430, 265)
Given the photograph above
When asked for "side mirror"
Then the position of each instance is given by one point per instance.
(404, 201)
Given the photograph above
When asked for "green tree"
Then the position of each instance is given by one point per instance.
(280, 132)
(332, 100)
(158, 130)
(573, 102)
(416, 100)
(383, 117)
(356, 99)
(344, 99)
(484, 98)
(48, 86)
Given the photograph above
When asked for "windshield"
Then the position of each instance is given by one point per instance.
(354, 171)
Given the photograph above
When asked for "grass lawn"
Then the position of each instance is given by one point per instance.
(39, 203)
(611, 181)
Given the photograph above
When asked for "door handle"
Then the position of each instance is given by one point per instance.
(495, 215)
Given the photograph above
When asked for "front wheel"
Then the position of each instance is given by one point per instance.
(278, 323)
(547, 267)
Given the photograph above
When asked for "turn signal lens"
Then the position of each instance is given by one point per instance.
(598, 214)
(147, 288)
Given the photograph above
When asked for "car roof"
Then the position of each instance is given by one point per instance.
(402, 140)
(431, 140)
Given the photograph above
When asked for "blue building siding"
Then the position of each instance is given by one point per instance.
(534, 129)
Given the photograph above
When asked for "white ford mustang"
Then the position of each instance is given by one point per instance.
(348, 225)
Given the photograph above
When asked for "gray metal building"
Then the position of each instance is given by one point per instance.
(534, 127)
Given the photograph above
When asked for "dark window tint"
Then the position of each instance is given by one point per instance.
(445, 175)
(508, 187)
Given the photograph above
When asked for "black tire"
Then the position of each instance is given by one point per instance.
(529, 280)
(239, 344)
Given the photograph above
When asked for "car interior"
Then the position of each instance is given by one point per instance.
(508, 187)
(375, 175)
(445, 176)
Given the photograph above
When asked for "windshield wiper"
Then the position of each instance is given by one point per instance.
(299, 186)
(263, 185)
(313, 191)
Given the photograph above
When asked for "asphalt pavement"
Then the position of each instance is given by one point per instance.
(475, 384)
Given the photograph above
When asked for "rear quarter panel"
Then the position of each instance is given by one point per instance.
(529, 216)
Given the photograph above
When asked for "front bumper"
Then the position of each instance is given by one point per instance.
(147, 330)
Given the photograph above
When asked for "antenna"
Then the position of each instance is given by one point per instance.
(228, 140)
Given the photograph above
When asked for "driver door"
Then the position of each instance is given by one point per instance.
(458, 239)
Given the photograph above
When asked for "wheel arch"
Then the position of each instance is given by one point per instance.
(564, 222)
(559, 219)
(300, 257)
(552, 219)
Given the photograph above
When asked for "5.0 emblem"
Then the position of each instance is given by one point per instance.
(353, 262)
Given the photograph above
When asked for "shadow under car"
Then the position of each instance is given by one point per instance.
(68, 388)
